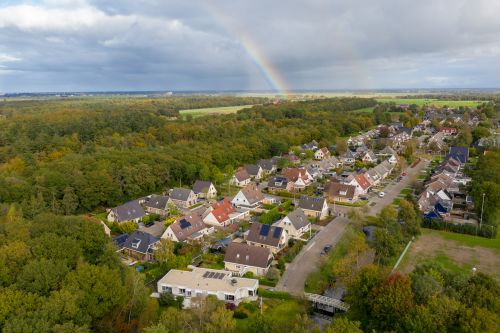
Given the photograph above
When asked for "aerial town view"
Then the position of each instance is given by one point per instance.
(249, 166)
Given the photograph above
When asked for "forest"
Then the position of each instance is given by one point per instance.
(72, 160)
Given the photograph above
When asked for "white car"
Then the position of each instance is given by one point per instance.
(381, 194)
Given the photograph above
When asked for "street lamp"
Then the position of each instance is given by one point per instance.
(482, 208)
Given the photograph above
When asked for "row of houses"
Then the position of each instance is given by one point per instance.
(436, 200)
(348, 187)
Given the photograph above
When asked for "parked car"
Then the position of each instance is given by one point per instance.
(364, 197)
(403, 174)
(381, 194)
(326, 249)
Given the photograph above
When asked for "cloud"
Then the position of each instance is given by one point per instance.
(153, 44)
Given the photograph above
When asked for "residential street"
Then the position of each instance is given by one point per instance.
(307, 261)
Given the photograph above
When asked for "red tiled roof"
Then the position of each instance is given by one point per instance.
(362, 181)
(222, 209)
(295, 173)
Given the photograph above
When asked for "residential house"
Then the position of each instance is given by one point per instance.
(157, 204)
(139, 245)
(387, 151)
(279, 183)
(268, 166)
(254, 170)
(299, 177)
(221, 214)
(381, 171)
(314, 207)
(267, 236)
(448, 130)
(348, 158)
(296, 224)
(183, 197)
(361, 183)
(461, 154)
(129, 211)
(369, 157)
(201, 282)
(336, 191)
(313, 145)
(248, 197)
(188, 227)
(241, 258)
(372, 176)
(292, 158)
(241, 178)
(204, 189)
(403, 135)
(322, 153)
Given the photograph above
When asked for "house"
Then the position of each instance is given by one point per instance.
(183, 197)
(299, 177)
(296, 224)
(322, 153)
(372, 176)
(267, 236)
(278, 184)
(336, 191)
(204, 189)
(220, 214)
(241, 178)
(460, 154)
(241, 258)
(129, 211)
(268, 166)
(369, 157)
(188, 227)
(387, 151)
(292, 158)
(313, 145)
(248, 197)
(254, 171)
(393, 159)
(448, 130)
(139, 245)
(157, 204)
(314, 207)
(361, 183)
(349, 157)
(381, 171)
(201, 282)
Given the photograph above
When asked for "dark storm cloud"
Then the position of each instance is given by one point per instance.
(152, 44)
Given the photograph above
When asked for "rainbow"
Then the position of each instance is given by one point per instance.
(264, 65)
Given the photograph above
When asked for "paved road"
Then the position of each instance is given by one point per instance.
(308, 259)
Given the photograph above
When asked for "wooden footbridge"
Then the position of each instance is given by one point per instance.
(326, 303)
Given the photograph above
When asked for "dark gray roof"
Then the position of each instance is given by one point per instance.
(278, 182)
(157, 201)
(140, 241)
(311, 203)
(120, 240)
(252, 169)
(405, 130)
(349, 154)
(129, 211)
(249, 255)
(298, 218)
(181, 194)
(266, 164)
(201, 186)
(461, 154)
(265, 234)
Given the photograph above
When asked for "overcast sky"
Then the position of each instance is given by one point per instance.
(91, 45)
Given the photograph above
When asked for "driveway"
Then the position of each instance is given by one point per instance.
(308, 259)
(156, 229)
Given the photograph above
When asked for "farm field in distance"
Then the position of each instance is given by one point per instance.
(216, 110)
(429, 101)
(457, 252)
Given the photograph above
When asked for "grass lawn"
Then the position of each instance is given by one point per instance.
(456, 252)
(423, 101)
(217, 110)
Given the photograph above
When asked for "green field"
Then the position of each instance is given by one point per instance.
(217, 110)
(426, 101)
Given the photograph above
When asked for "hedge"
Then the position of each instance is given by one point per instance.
(487, 231)
(267, 282)
(273, 294)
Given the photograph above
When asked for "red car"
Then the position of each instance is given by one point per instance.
(403, 174)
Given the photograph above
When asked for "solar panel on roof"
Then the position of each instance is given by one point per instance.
(221, 275)
(264, 230)
(277, 232)
(211, 275)
(184, 224)
(206, 274)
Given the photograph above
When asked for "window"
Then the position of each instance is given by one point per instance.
(165, 289)
(182, 291)
(229, 297)
(188, 293)
(250, 293)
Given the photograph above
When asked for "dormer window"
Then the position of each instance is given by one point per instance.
(135, 243)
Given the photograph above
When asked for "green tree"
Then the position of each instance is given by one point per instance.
(70, 201)
(343, 325)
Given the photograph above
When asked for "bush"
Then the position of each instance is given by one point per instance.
(273, 294)
(249, 275)
(273, 274)
(267, 282)
(128, 227)
(486, 231)
(239, 315)
(167, 299)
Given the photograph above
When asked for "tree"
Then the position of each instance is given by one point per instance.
(164, 252)
(221, 320)
(42, 276)
(341, 146)
(70, 201)
(343, 325)
(409, 217)
(128, 227)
